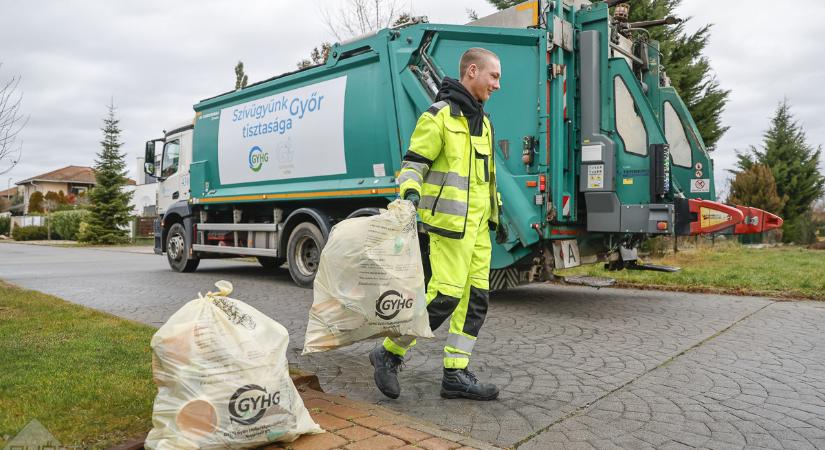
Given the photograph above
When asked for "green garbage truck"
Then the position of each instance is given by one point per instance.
(595, 152)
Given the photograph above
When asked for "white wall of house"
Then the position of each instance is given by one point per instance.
(144, 195)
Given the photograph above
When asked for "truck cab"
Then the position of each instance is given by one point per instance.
(171, 165)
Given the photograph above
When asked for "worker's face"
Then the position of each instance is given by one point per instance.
(483, 80)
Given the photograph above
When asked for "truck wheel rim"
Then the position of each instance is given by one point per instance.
(175, 247)
(307, 255)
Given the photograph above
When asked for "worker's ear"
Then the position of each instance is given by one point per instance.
(472, 71)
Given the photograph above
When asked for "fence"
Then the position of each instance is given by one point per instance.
(25, 221)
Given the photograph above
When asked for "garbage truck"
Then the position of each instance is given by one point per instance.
(595, 151)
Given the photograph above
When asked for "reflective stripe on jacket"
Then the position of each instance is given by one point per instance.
(437, 166)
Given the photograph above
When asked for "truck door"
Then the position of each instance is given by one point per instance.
(174, 171)
(692, 168)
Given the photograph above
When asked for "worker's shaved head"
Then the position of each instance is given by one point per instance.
(480, 72)
(476, 55)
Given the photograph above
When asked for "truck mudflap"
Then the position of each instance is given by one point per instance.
(695, 216)
(755, 221)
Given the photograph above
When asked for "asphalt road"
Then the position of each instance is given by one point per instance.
(578, 367)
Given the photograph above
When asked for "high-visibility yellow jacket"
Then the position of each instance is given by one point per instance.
(438, 166)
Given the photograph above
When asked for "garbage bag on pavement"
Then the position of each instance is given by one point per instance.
(370, 282)
(223, 378)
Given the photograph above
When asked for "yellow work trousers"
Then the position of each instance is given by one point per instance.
(459, 286)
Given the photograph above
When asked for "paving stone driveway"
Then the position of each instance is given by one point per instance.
(578, 368)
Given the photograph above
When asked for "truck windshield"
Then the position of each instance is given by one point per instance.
(629, 124)
(676, 138)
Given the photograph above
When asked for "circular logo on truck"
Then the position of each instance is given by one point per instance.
(390, 303)
(257, 158)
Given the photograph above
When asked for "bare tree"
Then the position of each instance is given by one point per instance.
(11, 123)
(357, 17)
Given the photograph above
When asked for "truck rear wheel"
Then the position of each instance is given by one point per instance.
(177, 251)
(304, 253)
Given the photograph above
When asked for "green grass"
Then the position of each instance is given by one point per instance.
(783, 272)
(85, 375)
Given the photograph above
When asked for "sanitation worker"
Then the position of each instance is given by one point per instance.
(449, 174)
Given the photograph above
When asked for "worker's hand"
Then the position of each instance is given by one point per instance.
(501, 233)
(413, 197)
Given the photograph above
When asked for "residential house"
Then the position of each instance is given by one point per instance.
(70, 179)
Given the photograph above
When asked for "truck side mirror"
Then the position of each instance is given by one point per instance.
(149, 158)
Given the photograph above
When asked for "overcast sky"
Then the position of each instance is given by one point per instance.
(158, 58)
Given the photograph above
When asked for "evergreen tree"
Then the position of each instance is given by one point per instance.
(688, 70)
(240, 76)
(110, 211)
(756, 187)
(794, 165)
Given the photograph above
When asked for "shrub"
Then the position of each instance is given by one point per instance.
(36, 202)
(67, 223)
(799, 230)
(5, 223)
(83, 234)
(30, 233)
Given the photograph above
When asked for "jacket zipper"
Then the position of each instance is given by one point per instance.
(469, 177)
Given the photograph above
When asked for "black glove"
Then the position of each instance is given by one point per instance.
(501, 233)
(413, 197)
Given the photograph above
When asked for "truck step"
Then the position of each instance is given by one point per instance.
(584, 280)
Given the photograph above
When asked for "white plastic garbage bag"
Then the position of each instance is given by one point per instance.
(370, 282)
(223, 379)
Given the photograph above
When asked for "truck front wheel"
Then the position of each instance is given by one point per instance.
(177, 251)
(270, 262)
(304, 253)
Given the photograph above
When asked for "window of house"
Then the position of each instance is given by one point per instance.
(171, 155)
(676, 138)
(629, 124)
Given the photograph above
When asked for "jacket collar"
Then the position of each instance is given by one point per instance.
(455, 110)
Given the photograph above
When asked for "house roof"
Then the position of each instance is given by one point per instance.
(68, 174)
(8, 192)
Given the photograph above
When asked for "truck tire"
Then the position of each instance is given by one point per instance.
(270, 262)
(304, 253)
(177, 251)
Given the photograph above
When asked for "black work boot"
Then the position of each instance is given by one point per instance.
(386, 371)
(461, 383)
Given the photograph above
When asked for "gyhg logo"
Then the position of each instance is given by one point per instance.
(257, 158)
(390, 303)
(249, 403)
